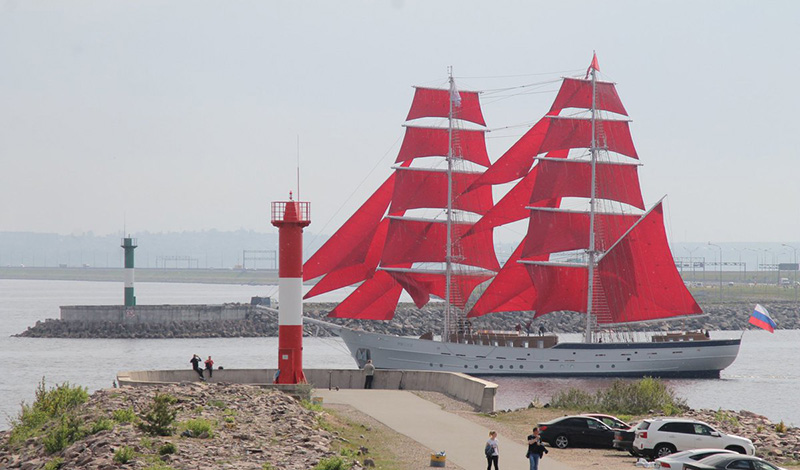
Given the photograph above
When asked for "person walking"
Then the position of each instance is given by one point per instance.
(369, 370)
(210, 367)
(492, 451)
(195, 360)
(536, 449)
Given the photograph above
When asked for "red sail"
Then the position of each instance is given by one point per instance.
(435, 102)
(351, 274)
(577, 93)
(375, 299)
(572, 178)
(558, 288)
(416, 189)
(421, 285)
(431, 141)
(555, 231)
(517, 160)
(510, 291)
(413, 241)
(570, 133)
(349, 245)
(639, 276)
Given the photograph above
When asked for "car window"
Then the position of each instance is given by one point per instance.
(595, 425)
(702, 429)
(643, 425)
(739, 465)
(764, 466)
(701, 455)
(575, 422)
(683, 428)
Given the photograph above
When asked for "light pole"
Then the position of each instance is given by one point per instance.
(794, 260)
(720, 269)
(691, 263)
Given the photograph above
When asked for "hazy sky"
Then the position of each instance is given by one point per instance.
(184, 115)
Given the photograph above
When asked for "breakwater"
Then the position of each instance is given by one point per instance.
(409, 321)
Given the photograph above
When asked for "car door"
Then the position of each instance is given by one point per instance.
(598, 434)
(575, 429)
(680, 435)
(704, 438)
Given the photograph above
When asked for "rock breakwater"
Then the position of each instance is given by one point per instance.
(408, 321)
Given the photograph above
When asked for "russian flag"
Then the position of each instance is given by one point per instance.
(761, 319)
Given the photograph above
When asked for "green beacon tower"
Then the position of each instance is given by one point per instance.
(129, 244)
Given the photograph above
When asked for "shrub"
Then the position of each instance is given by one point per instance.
(217, 404)
(65, 432)
(624, 397)
(124, 455)
(198, 426)
(48, 406)
(125, 415)
(102, 424)
(54, 464)
(159, 418)
(167, 448)
(332, 463)
(158, 465)
(310, 405)
(780, 428)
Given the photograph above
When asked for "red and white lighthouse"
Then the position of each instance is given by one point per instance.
(290, 217)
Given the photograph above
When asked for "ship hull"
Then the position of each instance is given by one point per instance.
(666, 359)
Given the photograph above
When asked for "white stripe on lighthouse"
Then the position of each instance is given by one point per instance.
(290, 306)
(128, 278)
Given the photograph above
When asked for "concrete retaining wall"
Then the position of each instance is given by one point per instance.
(480, 393)
(154, 313)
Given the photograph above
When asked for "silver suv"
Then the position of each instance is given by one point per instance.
(662, 436)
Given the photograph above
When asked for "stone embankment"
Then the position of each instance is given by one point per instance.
(251, 428)
(409, 321)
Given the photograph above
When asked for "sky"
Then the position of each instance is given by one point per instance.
(186, 115)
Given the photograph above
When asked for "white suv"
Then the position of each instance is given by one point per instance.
(662, 436)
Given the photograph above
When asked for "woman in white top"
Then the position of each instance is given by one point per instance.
(495, 451)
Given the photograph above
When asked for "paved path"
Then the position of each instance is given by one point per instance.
(436, 429)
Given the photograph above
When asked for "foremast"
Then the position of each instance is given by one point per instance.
(591, 252)
(448, 257)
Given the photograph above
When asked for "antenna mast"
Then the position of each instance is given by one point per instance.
(298, 167)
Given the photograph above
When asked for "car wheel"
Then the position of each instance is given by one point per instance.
(663, 449)
(736, 449)
(561, 441)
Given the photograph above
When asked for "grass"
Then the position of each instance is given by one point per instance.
(198, 427)
(332, 463)
(54, 464)
(349, 428)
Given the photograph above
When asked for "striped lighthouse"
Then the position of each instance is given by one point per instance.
(129, 244)
(290, 217)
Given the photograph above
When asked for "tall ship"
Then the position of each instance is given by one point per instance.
(592, 246)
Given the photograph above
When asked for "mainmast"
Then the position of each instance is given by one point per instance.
(448, 261)
(592, 202)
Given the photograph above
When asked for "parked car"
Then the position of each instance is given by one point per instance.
(576, 431)
(658, 437)
(732, 461)
(623, 440)
(678, 459)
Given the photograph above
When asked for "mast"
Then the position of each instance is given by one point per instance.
(592, 201)
(448, 266)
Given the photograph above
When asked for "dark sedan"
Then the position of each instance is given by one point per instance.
(576, 431)
(731, 461)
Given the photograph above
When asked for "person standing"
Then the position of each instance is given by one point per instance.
(195, 360)
(210, 367)
(535, 449)
(492, 451)
(369, 370)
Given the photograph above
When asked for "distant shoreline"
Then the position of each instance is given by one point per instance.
(195, 276)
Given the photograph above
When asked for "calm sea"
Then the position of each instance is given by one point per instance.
(764, 375)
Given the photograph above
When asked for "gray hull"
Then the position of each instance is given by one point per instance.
(666, 359)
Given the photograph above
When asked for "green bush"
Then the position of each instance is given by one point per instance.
(332, 463)
(102, 424)
(65, 432)
(217, 404)
(54, 464)
(124, 454)
(780, 428)
(158, 465)
(198, 426)
(48, 406)
(125, 415)
(160, 417)
(167, 448)
(624, 397)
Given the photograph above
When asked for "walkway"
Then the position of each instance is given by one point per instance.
(436, 429)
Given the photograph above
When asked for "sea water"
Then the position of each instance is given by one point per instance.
(763, 376)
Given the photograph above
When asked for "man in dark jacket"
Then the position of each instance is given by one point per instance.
(195, 360)
(535, 449)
